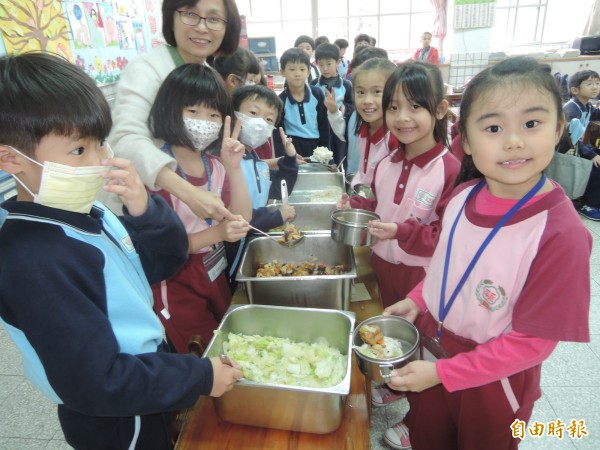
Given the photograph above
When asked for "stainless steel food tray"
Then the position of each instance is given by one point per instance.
(310, 410)
(318, 291)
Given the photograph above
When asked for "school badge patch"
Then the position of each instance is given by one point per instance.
(424, 198)
(128, 244)
(490, 296)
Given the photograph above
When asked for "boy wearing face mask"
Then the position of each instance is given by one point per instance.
(259, 109)
(74, 292)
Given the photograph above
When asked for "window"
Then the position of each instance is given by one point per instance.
(538, 22)
(396, 25)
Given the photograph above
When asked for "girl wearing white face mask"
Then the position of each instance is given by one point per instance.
(191, 128)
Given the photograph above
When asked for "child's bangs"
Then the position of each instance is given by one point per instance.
(72, 119)
(417, 89)
(26, 123)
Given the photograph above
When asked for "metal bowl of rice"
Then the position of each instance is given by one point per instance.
(396, 331)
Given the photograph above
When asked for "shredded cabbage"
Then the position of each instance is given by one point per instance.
(275, 360)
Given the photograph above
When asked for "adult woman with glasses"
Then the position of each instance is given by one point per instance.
(194, 30)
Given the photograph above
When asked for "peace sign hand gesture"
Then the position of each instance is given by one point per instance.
(330, 101)
(232, 150)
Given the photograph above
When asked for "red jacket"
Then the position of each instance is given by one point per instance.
(433, 56)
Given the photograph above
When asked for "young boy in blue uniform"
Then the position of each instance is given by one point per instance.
(579, 111)
(307, 45)
(304, 117)
(74, 279)
(259, 109)
(327, 57)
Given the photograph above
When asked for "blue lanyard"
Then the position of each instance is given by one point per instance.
(167, 148)
(445, 308)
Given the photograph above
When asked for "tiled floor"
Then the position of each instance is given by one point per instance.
(570, 384)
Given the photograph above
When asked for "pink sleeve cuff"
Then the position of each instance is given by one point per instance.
(416, 295)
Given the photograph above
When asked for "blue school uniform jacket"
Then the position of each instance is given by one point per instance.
(75, 298)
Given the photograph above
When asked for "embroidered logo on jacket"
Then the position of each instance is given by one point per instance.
(424, 198)
(490, 296)
(126, 242)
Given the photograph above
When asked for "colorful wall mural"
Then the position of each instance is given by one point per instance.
(101, 37)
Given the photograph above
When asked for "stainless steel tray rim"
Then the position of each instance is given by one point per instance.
(348, 274)
(342, 388)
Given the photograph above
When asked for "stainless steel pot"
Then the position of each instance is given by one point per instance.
(349, 226)
(379, 370)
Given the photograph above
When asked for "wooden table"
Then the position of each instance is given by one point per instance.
(204, 429)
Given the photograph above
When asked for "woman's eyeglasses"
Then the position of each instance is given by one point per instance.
(193, 19)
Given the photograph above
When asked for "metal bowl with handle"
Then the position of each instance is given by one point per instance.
(349, 226)
(395, 327)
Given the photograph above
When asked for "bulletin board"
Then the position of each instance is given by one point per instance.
(474, 13)
(101, 37)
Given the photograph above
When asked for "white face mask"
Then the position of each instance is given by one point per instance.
(255, 130)
(67, 187)
(202, 132)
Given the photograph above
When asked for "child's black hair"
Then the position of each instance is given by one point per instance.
(42, 94)
(365, 52)
(341, 43)
(304, 38)
(383, 65)
(423, 84)
(516, 73)
(362, 37)
(294, 55)
(577, 78)
(319, 40)
(187, 85)
(327, 51)
(240, 63)
(256, 92)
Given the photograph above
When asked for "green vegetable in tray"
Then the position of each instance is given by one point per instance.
(275, 360)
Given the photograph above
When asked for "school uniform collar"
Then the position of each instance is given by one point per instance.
(336, 84)
(581, 106)
(90, 223)
(421, 160)
(306, 98)
(376, 137)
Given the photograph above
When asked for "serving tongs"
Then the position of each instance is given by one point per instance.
(284, 200)
(285, 243)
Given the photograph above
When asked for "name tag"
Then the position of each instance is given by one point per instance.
(215, 262)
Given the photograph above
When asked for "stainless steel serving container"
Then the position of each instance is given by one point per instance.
(313, 167)
(349, 226)
(310, 217)
(319, 291)
(310, 410)
(318, 187)
(391, 326)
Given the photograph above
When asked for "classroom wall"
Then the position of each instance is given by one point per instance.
(99, 36)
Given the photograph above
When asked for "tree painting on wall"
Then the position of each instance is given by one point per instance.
(34, 25)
